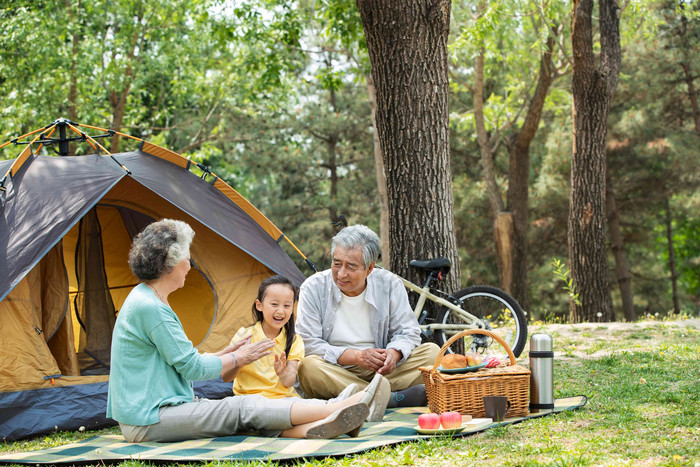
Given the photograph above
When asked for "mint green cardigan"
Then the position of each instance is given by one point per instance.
(153, 363)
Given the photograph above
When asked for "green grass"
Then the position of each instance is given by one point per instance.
(643, 387)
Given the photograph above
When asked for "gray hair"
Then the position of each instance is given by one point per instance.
(359, 236)
(158, 248)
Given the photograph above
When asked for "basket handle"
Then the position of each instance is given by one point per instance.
(461, 334)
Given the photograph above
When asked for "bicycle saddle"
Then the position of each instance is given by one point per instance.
(442, 265)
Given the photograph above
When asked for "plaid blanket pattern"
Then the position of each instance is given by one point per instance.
(397, 427)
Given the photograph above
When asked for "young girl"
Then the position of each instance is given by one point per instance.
(273, 375)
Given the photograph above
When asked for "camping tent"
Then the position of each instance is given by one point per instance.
(66, 225)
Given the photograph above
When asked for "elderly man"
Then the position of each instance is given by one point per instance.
(356, 321)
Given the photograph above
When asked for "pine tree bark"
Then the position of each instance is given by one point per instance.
(407, 44)
(617, 245)
(593, 87)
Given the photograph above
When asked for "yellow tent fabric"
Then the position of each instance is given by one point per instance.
(34, 312)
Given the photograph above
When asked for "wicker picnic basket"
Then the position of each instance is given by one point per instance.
(464, 392)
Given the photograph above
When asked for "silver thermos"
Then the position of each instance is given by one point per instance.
(541, 369)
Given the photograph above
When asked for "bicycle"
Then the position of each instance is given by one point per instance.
(441, 314)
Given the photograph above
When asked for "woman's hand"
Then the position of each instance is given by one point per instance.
(249, 352)
(237, 345)
(233, 347)
(242, 353)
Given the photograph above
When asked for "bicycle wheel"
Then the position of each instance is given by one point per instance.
(499, 313)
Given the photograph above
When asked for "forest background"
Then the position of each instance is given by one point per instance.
(277, 98)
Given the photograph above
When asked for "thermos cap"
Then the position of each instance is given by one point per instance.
(541, 342)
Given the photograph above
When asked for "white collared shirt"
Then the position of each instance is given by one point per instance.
(393, 324)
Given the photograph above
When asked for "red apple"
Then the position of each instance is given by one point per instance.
(429, 421)
(451, 420)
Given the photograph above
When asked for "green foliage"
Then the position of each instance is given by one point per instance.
(653, 154)
(271, 94)
(561, 272)
(652, 151)
(329, 79)
(271, 41)
(513, 36)
(472, 216)
(686, 243)
(342, 22)
(687, 246)
(483, 21)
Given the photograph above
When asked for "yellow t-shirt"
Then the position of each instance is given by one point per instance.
(259, 377)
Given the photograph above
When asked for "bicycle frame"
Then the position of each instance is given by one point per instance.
(425, 294)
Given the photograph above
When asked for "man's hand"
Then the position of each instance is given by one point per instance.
(392, 358)
(371, 359)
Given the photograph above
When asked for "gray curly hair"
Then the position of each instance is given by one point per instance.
(158, 248)
(359, 236)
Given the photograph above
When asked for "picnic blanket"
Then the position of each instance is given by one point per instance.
(397, 427)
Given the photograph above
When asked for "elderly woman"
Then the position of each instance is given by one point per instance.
(154, 364)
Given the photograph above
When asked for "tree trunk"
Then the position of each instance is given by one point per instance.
(482, 137)
(381, 177)
(117, 97)
(519, 178)
(692, 93)
(671, 258)
(617, 245)
(332, 148)
(73, 87)
(503, 234)
(502, 220)
(687, 71)
(593, 87)
(407, 44)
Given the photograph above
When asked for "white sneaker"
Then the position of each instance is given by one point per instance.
(376, 397)
(346, 420)
(349, 390)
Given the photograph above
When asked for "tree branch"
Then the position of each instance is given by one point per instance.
(553, 33)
